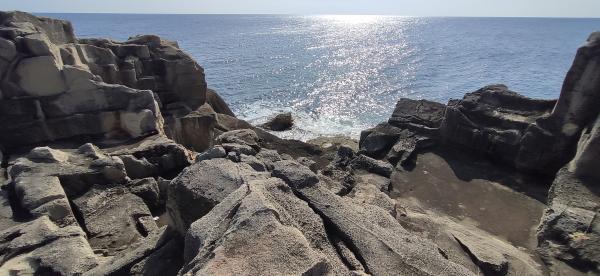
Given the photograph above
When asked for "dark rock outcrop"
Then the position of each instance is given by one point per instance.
(280, 122)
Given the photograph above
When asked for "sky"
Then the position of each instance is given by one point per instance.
(510, 8)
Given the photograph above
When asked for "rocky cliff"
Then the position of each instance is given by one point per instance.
(119, 161)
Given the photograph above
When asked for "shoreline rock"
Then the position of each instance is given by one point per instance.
(118, 160)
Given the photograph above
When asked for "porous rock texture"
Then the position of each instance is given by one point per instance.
(226, 198)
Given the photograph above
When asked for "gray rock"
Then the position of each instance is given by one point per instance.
(138, 168)
(40, 76)
(384, 247)
(162, 152)
(44, 196)
(280, 122)
(40, 245)
(551, 142)
(203, 185)
(48, 154)
(376, 142)
(8, 51)
(114, 218)
(307, 162)
(245, 137)
(166, 260)
(569, 230)
(256, 164)
(296, 242)
(148, 190)
(417, 112)
(91, 151)
(371, 165)
(294, 174)
(268, 157)
(239, 149)
(405, 149)
(122, 263)
(212, 153)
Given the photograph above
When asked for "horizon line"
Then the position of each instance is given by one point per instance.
(317, 14)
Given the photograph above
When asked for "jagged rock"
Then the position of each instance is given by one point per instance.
(238, 149)
(420, 114)
(296, 241)
(195, 130)
(384, 247)
(569, 230)
(268, 157)
(44, 196)
(551, 141)
(166, 260)
(584, 164)
(91, 151)
(376, 142)
(77, 174)
(217, 103)
(203, 185)
(40, 246)
(280, 122)
(138, 168)
(405, 149)
(114, 218)
(47, 154)
(163, 153)
(256, 164)
(6, 212)
(8, 50)
(369, 164)
(148, 190)
(245, 137)
(312, 165)
(212, 153)
(492, 120)
(294, 174)
(370, 189)
(123, 262)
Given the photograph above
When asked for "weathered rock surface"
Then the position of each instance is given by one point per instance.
(280, 122)
(202, 186)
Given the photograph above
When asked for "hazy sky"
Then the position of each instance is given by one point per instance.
(544, 8)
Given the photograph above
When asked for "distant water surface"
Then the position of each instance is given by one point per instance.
(342, 74)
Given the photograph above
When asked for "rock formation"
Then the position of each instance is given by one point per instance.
(117, 160)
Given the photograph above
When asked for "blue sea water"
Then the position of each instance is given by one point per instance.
(343, 74)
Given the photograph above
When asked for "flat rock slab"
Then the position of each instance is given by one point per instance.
(114, 218)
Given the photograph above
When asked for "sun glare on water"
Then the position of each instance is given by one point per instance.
(353, 19)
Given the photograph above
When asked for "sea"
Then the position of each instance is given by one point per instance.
(341, 74)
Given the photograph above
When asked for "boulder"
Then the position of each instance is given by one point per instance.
(40, 246)
(419, 113)
(196, 129)
(552, 141)
(217, 103)
(8, 50)
(147, 189)
(40, 76)
(384, 247)
(201, 186)
(123, 263)
(280, 122)
(377, 141)
(114, 219)
(362, 162)
(270, 230)
(246, 137)
(44, 196)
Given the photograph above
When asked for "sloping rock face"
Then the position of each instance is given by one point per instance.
(540, 137)
(49, 91)
(56, 87)
(77, 211)
(287, 222)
